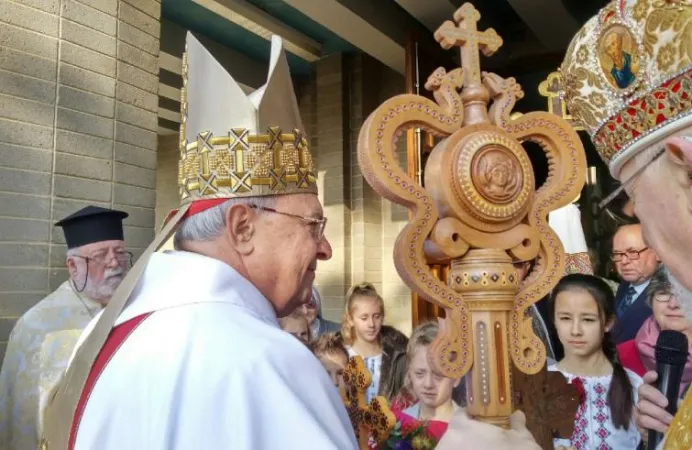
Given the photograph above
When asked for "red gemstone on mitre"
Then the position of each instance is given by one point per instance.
(660, 119)
(635, 133)
(676, 87)
(659, 95)
(611, 127)
(632, 112)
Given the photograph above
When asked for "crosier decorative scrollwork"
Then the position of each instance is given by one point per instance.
(479, 212)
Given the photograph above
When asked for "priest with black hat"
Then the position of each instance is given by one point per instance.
(42, 341)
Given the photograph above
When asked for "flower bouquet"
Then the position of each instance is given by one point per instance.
(410, 435)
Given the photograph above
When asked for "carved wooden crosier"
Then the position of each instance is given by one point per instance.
(479, 212)
(375, 420)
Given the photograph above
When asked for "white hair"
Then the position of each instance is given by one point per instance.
(208, 225)
(645, 156)
(683, 294)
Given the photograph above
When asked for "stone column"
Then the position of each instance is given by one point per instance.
(78, 121)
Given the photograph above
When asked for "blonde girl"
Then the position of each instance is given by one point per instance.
(433, 392)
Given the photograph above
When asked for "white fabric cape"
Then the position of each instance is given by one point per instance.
(37, 354)
(209, 369)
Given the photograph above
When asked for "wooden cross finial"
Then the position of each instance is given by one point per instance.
(551, 88)
(471, 41)
(374, 420)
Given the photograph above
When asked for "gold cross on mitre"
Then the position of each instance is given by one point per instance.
(471, 41)
(551, 88)
(375, 420)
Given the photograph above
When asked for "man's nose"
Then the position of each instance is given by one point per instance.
(112, 259)
(324, 250)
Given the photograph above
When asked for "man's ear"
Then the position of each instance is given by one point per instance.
(680, 151)
(240, 227)
(71, 267)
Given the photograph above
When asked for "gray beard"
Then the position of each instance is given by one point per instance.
(683, 294)
(103, 291)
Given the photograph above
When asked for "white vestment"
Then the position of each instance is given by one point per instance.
(37, 354)
(209, 369)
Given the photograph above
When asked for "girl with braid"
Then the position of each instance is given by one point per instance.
(583, 308)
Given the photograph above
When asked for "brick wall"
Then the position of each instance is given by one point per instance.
(78, 120)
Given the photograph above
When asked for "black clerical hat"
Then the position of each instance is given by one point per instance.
(92, 224)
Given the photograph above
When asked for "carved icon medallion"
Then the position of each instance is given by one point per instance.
(496, 174)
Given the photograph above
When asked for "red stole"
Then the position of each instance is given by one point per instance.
(117, 336)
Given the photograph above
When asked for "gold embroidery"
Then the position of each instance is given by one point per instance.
(679, 436)
(620, 88)
(244, 164)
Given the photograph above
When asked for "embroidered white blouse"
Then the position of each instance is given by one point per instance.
(593, 427)
(373, 364)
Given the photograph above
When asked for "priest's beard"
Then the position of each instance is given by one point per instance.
(683, 294)
(103, 291)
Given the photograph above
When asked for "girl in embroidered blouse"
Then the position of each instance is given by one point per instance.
(583, 308)
(432, 391)
(363, 317)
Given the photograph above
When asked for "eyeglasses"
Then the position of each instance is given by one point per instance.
(318, 225)
(629, 181)
(124, 258)
(663, 297)
(631, 255)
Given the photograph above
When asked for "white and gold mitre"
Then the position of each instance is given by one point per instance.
(237, 145)
(628, 76)
(566, 223)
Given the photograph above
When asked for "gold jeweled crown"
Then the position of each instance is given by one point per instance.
(237, 145)
(628, 75)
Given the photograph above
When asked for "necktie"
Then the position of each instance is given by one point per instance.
(627, 301)
(631, 295)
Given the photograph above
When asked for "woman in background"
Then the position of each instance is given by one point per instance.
(318, 324)
(638, 354)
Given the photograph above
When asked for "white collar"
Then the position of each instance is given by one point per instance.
(640, 287)
(177, 278)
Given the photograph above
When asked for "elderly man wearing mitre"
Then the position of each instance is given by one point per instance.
(44, 337)
(196, 359)
(642, 130)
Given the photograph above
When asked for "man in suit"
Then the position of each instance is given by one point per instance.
(636, 264)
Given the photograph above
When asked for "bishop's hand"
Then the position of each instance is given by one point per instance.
(465, 433)
(650, 412)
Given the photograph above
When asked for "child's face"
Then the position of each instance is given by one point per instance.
(578, 322)
(335, 363)
(431, 389)
(298, 327)
(367, 318)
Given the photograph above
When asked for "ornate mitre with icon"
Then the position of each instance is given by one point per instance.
(232, 145)
(628, 76)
